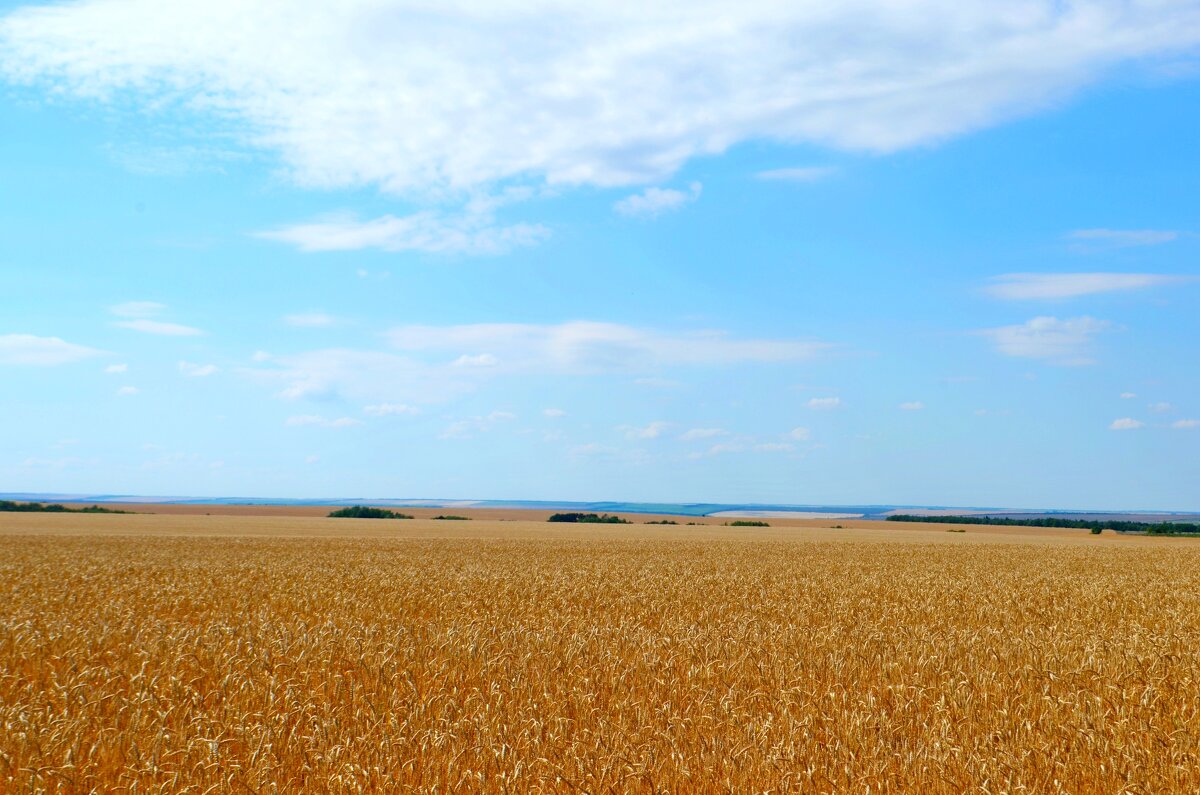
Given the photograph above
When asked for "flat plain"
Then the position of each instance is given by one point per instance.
(291, 653)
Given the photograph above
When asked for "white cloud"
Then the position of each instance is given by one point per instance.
(725, 447)
(651, 431)
(312, 459)
(703, 433)
(27, 349)
(480, 360)
(553, 413)
(467, 428)
(1044, 286)
(417, 97)
(1186, 424)
(800, 434)
(127, 391)
(655, 382)
(260, 356)
(160, 328)
(774, 447)
(585, 346)
(138, 309)
(1126, 424)
(318, 420)
(1128, 395)
(1062, 342)
(304, 419)
(423, 370)
(193, 370)
(390, 410)
(1121, 238)
(914, 405)
(1160, 408)
(310, 320)
(802, 174)
(825, 403)
(655, 201)
(357, 375)
(114, 369)
(427, 231)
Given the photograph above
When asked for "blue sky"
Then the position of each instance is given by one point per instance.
(921, 253)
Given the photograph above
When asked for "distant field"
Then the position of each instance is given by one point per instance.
(271, 653)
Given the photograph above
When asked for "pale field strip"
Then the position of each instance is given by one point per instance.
(300, 654)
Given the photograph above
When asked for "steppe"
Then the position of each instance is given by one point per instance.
(273, 650)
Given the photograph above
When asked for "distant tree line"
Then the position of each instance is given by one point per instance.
(363, 512)
(587, 518)
(451, 517)
(38, 507)
(1121, 526)
(747, 523)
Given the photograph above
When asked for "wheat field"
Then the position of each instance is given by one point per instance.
(233, 654)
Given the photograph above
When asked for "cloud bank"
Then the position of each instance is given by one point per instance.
(414, 97)
(432, 363)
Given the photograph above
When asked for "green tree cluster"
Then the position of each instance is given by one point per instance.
(587, 518)
(364, 512)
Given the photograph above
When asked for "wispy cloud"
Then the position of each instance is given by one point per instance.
(824, 403)
(116, 369)
(478, 360)
(159, 328)
(193, 370)
(1120, 238)
(301, 420)
(703, 433)
(370, 376)
(652, 430)
(28, 349)
(310, 320)
(1186, 425)
(390, 410)
(1063, 342)
(801, 174)
(800, 434)
(469, 427)
(586, 346)
(553, 413)
(428, 231)
(423, 99)
(1128, 395)
(723, 448)
(128, 391)
(1162, 407)
(138, 309)
(1126, 424)
(912, 405)
(653, 202)
(1050, 286)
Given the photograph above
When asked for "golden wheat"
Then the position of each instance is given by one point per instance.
(597, 661)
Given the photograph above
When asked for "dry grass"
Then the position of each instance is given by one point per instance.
(527, 658)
